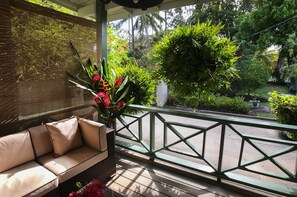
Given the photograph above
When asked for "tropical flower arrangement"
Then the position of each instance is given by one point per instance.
(93, 189)
(107, 88)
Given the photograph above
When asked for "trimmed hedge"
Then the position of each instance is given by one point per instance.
(217, 103)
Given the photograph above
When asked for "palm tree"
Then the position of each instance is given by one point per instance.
(142, 24)
(146, 21)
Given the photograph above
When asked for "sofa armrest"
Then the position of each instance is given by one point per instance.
(93, 133)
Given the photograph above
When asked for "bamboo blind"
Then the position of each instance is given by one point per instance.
(34, 58)
(8, 88)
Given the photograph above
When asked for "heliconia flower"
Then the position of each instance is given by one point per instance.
(118, 81)
(96, 78)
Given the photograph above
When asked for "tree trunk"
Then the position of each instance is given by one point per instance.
(133, 39)
(147, 37)
(280, 63)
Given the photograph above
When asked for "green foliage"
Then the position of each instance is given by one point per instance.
(253, 72)
(222, 12)
(265, 91)
(217, 103)
(141, 85)
(108, 89)
(285, 108)
(271, 23)
(141, 55)
(117, 49)
(196, 58)
(265, 15)
(49, 4)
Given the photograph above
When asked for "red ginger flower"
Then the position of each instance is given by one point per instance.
(106, 100)
(99, 96)
(120, 105)
(96, 78)
(118, 81)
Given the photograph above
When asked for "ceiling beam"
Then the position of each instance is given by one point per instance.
(116, 12)
(67, 4)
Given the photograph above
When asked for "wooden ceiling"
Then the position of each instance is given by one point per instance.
(86, 8)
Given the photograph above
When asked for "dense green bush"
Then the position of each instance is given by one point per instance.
(196, 58)
(253, 73)
(213, 102)
(285, 108)
(141, 85)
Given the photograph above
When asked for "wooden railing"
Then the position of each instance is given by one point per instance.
(242, 150)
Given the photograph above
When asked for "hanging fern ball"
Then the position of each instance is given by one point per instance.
(196, 59)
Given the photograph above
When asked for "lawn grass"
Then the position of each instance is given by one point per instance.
(265, 115)
(264, 92)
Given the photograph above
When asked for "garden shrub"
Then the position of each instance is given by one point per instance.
(141, 85)
(218, 103)
(285, 108)
(253, 73)
(196, 58)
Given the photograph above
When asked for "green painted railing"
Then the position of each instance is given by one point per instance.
(242, 150)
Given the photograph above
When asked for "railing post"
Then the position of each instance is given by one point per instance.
(140, 129)
(152, 132)
(296, 169)
(222, 142)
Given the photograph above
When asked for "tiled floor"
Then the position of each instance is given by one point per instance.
(135, 178)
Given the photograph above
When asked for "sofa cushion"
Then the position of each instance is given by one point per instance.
(65, 135)
(15, 149)
(72, 163)
(94, 134)
(41, 140)
(29, 179)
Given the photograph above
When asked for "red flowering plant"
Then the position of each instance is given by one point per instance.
(108, 89)
(93, 189)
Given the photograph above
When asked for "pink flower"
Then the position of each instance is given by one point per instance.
(120, 105)
(96, 78)
(106, 100)
(97, 99)
(73, 194)
(118, 81)
(101, 94)
(94, 189)
(150, 66)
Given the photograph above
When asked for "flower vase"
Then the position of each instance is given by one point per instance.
(111, 123)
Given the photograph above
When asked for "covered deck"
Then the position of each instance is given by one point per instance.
(160, 152)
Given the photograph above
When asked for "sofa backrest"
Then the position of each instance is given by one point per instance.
(41, 140)
(15, 149)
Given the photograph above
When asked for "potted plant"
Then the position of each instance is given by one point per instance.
(195, 59)
(109, 90)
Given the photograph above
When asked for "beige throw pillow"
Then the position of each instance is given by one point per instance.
(65, 135)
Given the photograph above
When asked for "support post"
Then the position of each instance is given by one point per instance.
(101, 30)
(222, 142)
(152, 132)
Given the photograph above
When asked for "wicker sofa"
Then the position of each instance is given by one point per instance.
(48, 160)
